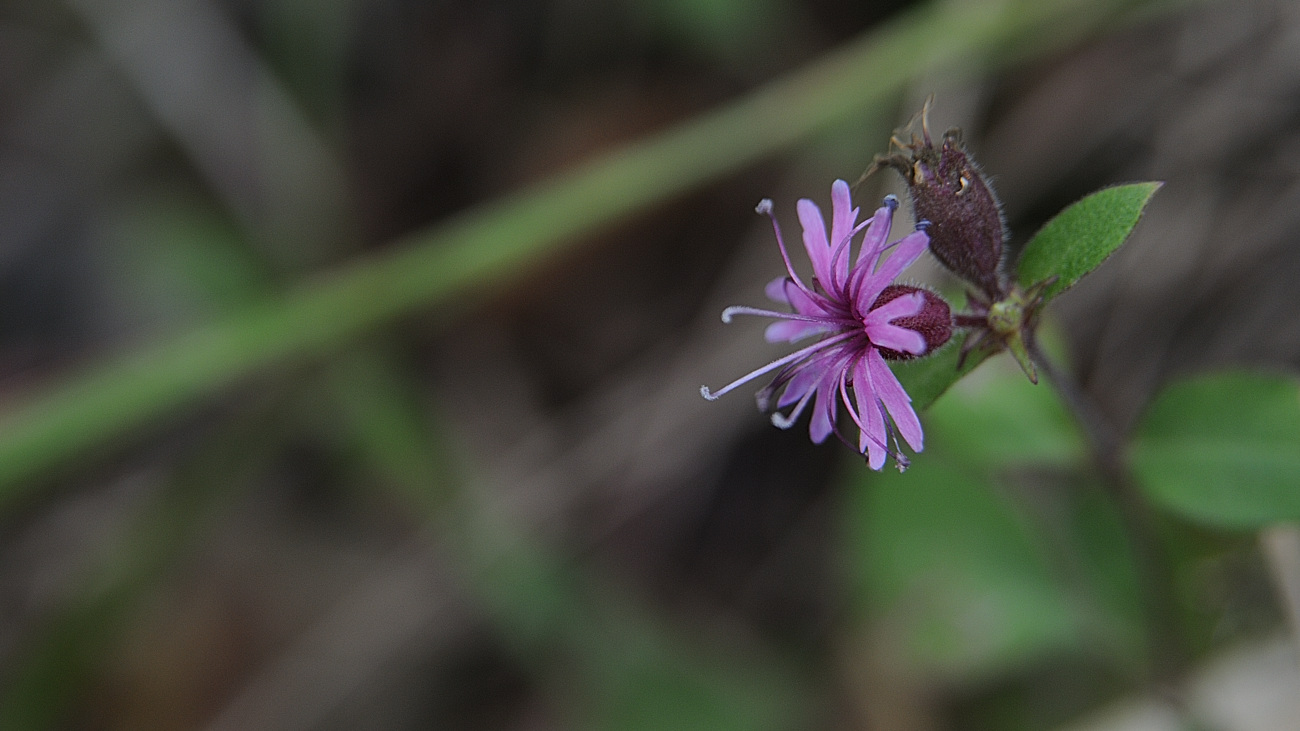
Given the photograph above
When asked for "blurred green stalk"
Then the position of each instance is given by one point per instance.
(496, 241)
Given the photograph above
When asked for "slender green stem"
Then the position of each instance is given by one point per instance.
(488, 245)
(1168, 649)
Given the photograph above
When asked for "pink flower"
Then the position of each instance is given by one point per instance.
(863, 319)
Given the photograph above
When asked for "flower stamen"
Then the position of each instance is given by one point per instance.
(791, 358)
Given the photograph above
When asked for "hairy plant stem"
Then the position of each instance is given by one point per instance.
(1167, 643)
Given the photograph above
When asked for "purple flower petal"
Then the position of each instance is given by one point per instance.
(872, 437)
(823, 416)
(902, 306)
(805, 303)
(794, 330)
(884, 334)
(794, 357)
(896, 401)
(786, 290)
(775, 290)
(907, 250)
(843, 218)
(814, 239)
(899, 339)
(785, 421)
(800, 384)
(877, 234)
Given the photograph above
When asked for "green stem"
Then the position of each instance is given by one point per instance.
(490, 244)
(1168, 649)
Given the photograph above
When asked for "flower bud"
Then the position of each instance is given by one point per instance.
(933, 322)
(949, 190)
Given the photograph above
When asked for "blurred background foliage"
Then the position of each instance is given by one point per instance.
(350, 354)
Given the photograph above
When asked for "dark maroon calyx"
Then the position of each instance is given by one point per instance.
(933, 322)
(948, 189)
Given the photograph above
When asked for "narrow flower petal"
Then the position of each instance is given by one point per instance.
(902, 306)
(790, 292)
(789, 331)
(907, 250)
(840, 255)
(785, 421)
(799, 385)
(874, 247)
(843, 218)
(805, 302)
(800, 390)
(884, 334)
(871, 440)
(877, 233)
(823, 415)
(775, 290)
(791, 358)
(896, 401)
(899, 339)
(814, 239)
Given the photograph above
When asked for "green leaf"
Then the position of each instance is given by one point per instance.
(1079, 238)
(1224, 449)
(997, 418)
(925, 379)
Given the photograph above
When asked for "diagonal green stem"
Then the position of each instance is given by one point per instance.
(494, 242)
(1168, 650)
